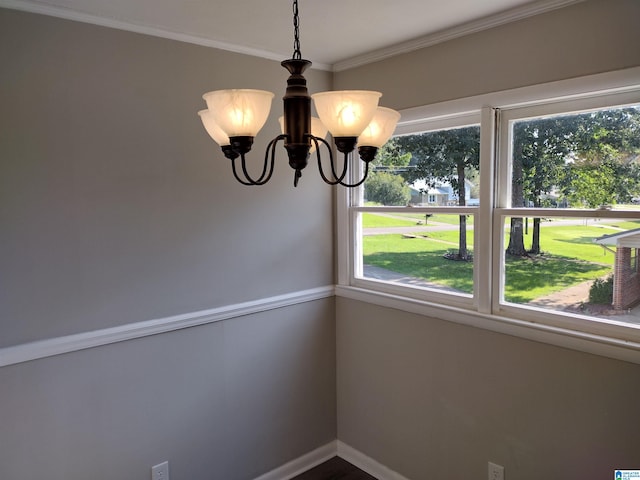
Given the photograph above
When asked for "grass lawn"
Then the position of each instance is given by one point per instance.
(569, 257)
(418, 258)
(374, 220)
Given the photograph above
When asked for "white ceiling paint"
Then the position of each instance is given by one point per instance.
(332, 32)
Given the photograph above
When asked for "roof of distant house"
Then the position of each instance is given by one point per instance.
(629, 239)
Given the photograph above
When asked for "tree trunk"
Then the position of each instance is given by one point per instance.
(516, 233)
(516, 238)
(462, 249)
(462, 237)
(535, 241)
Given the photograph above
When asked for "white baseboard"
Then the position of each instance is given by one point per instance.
(367, 464)
(324, 453)
(303, 463)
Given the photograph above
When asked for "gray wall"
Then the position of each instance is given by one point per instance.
(116, 207)
(432, 399)
(227, 401)
(587, 38)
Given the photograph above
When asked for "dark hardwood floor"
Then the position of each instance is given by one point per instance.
(335, 469)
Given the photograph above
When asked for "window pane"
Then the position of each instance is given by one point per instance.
(419, 250)
(586, 160)
(439, 168)
(584, 266)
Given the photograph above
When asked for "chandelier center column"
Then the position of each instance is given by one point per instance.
(297, 114)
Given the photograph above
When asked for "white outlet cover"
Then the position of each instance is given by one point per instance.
(160, 471)
(496, 472)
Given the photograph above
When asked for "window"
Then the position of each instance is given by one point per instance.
(416, 229)
(509, 211)
(571, 172)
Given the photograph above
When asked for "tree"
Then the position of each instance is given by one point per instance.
(387, 189)
(605, 169)
(539, 150)
(445, 155)
(590, 156)
(391, 157)
(384, 184)
(602, 183)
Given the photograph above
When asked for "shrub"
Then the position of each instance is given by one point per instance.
(387, 189)
(601, 291)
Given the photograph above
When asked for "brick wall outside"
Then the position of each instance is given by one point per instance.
(626, 280)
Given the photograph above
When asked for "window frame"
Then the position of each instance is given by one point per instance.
(486, 309)
(503, 210)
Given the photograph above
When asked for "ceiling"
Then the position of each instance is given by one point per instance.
(333, 33)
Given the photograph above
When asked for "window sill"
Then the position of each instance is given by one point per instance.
(602, 345)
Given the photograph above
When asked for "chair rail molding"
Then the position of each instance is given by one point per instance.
(80, 341)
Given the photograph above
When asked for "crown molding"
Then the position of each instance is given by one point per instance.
(475, 26)
(512, 15)
(69, 14)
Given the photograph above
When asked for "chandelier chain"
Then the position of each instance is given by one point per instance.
(297, 55)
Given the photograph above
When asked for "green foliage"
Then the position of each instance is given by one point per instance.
(589, 158)
(590, 155)
(387, 189)
(445, 155)
(390, 157)
(600, 183)
(601, 291)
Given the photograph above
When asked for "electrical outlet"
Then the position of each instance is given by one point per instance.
(160, 471)
(496, 472)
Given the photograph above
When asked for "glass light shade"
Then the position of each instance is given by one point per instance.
(213, 129)
(346, 113)
(380, 129)
(239, 112)
(317, 130)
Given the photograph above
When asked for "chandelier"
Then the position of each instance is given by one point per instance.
(234, 117)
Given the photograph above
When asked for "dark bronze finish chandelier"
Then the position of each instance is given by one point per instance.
(234, 117)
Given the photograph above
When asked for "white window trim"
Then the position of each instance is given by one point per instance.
(608, 338)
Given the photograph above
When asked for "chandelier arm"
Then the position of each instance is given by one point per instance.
(272, 146)
(324, 177)
(357, 184)
(345, 164)
(235, 174)
(267, 168)
(243, 163)
(318, 156)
